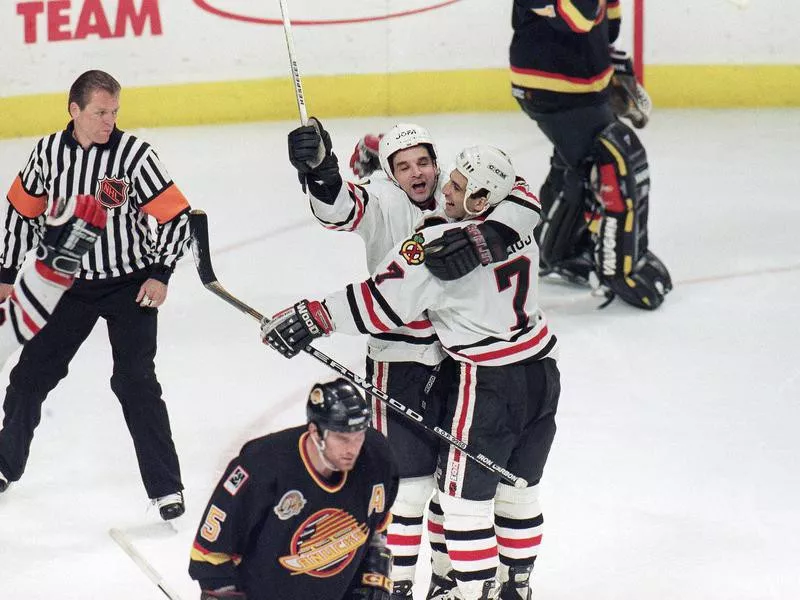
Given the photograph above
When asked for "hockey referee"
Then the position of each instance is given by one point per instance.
(123, 279)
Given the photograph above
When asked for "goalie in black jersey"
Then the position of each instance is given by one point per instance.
(302, 513)
(595, 200)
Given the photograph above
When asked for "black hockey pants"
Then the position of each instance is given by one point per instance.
(45, 359)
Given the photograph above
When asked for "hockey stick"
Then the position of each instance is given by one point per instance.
(298, 84)
(202, 259)
(122, 540)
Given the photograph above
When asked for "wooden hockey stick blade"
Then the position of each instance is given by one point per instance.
(198, 222)
(202, 257)
(123, 542)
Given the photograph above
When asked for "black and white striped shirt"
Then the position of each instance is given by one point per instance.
(127, 177)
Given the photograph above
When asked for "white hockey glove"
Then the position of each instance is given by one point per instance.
(294, 328)
(629, 100)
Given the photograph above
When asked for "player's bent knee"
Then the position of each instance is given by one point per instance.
(517, 503)
(413, 494)
(460, 513)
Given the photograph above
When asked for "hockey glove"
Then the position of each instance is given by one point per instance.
(460, 251)
(372, 580)
(629, 100)
(364, 161)
(224, 593)
(71, 230)
(310, 152)
(291, 330)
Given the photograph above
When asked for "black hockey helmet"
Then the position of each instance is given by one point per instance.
(337, 405)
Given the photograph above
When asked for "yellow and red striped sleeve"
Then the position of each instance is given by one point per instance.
(575, 19)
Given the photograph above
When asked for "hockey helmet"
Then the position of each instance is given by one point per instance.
(400, 137)
(337, 405)
(486, 167)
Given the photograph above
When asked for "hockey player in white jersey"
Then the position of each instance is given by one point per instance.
(504, 397)
(71, 229)
(403, 361)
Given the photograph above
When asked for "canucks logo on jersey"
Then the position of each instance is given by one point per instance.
(325, 543)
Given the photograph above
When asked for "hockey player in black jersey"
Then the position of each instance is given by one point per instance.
(302, 513)
(595, 200)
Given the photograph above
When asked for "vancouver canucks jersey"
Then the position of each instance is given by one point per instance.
(280, 531)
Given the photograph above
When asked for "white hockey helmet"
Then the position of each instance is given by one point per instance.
(486, 167)
(400, 137)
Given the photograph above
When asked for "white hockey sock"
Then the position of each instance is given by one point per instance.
(518, 524)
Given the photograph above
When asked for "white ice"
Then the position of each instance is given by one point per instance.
(674, 473)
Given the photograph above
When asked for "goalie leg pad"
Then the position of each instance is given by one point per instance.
(621, 182)
(562, 233)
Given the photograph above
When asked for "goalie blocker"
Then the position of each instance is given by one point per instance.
(620, 180)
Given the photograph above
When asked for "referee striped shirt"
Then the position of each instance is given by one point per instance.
(127, 177)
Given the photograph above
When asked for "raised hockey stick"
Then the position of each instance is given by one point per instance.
(122, 540)
(202, 259)
(298, 84)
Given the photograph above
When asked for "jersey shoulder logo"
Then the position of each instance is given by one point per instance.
(236, 480)
(112, 192)
(290, 505)
(325, 543)
(412, 250)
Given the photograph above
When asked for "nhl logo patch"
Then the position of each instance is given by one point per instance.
(412, 250)
(112, 192)
(236, 480)
(290, 505)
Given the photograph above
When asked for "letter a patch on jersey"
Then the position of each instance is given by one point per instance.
(236, 480)
(377, 501)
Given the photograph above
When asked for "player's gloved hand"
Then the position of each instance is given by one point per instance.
(71, 229)
(629, 100)
(223, 593)
(459, 251)
(370, 593)
(364, 160)
(296, 327)
(374, 582)
(310, 152)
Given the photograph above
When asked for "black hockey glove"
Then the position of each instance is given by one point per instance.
(459, 251)
(372, 580)
(310, 152)
(71, 230)
(364, 161)
(293, 329)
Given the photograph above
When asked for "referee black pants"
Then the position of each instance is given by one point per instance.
(45, 359)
